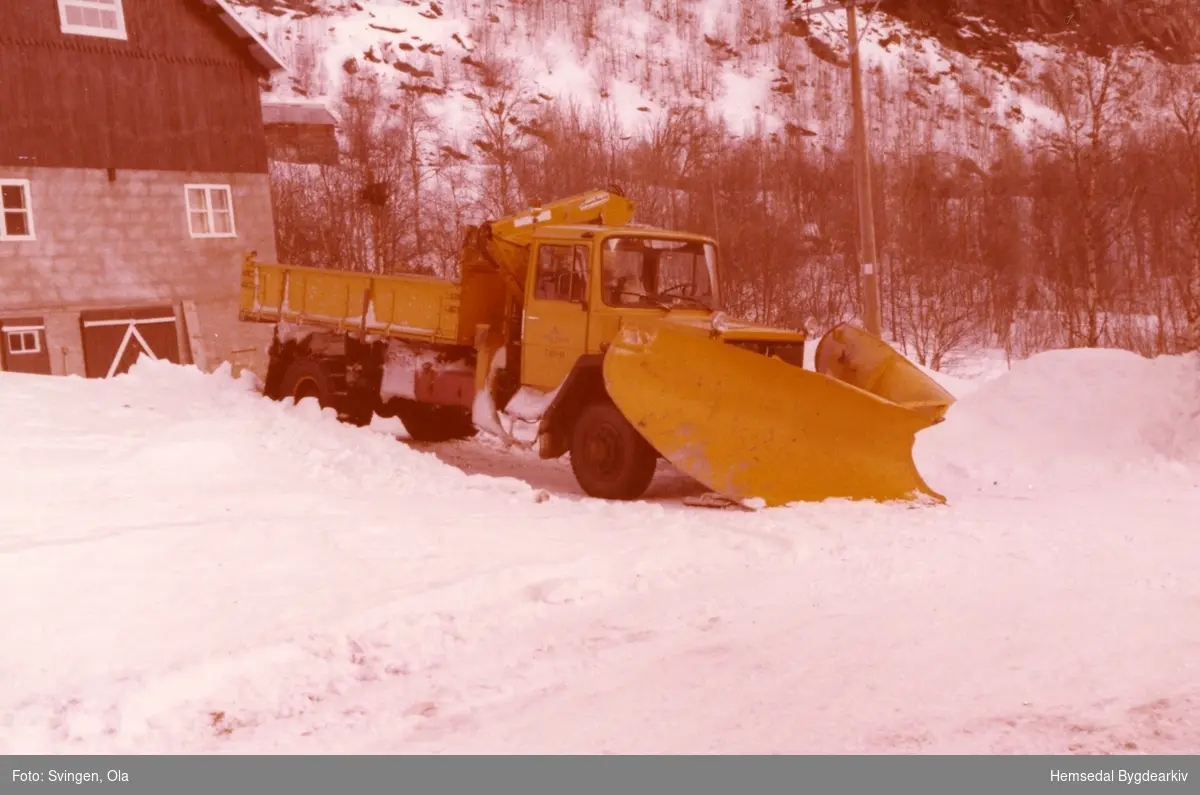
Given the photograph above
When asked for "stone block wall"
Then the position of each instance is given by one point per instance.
(121, 239)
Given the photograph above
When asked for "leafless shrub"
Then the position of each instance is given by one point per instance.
(1090, 237)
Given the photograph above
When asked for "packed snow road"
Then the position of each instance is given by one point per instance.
(187, 567)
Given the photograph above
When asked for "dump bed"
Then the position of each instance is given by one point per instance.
(408, 306)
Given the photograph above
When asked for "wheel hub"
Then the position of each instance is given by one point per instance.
(603, 450)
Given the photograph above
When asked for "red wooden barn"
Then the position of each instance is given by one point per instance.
(133, 177)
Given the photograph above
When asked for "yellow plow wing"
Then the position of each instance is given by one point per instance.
(860, 359)
(749, 426)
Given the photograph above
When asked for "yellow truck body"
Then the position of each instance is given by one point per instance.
(614, 333)
(412, 307)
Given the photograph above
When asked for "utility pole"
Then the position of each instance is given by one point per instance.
(867, 255)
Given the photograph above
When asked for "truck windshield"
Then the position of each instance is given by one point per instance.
(644, 271)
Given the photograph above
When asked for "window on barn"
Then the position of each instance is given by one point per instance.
(210, 211)
(16, 210)
(23, 340)
(93, 18)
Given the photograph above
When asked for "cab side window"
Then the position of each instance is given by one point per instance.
(562, 272)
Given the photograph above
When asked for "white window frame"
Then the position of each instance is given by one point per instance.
(87, 30)
(21, 332)
(27, 194)
(207, 209)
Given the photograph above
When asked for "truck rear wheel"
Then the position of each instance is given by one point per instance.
(426, 422)
(307, 377)
(610, 459)
(303, 379)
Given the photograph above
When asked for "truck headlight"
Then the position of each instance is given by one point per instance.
(720, 322)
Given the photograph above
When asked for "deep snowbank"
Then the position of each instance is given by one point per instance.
(185, 566)
(1071, 419)
(191, 549)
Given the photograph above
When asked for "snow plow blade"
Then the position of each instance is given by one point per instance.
(860, 359)
(749, 426)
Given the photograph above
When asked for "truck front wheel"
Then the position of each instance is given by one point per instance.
(610, 459)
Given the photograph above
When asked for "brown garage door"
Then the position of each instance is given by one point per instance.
(23, 345)
(113, 339)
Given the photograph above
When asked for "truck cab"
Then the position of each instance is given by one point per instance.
(583, 284)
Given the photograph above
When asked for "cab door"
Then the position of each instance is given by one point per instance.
(556, 314)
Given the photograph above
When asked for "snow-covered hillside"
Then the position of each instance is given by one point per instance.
(744, 63)
(731, 119)
(185, 566)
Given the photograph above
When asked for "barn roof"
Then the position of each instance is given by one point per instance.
(258, 48)
(297, 112)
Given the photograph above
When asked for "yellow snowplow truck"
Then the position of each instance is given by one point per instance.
(605, 339)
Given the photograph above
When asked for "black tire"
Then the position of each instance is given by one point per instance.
(306, 377)
(427, 422)
(610, 459)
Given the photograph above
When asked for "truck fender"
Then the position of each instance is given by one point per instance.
(582, 385)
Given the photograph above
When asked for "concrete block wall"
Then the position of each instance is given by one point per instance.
(122, 240)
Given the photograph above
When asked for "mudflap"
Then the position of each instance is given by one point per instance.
(751, 427)
(859, 358)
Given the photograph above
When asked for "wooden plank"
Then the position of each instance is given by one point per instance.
(191, 325)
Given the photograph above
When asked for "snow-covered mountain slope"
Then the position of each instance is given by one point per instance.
(745, 63)
(989, 30)
(727, 118)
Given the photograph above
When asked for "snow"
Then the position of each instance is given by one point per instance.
(564, 76)
(483, 409)
(188, 567)
(289, 332)
(235, 22)
(1076, 420)
(962, 374)
(633, 61)
(404, 363)
(745, 101)
(529, 404)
